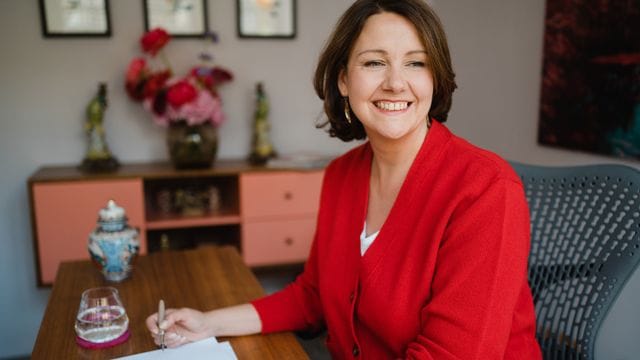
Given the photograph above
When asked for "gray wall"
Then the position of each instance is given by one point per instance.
(46, 83)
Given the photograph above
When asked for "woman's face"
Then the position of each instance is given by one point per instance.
(387, 79)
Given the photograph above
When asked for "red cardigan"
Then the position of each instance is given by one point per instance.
(444, 279)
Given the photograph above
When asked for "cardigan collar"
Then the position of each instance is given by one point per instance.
(419, 173)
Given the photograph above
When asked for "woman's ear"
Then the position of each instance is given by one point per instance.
(342, 83)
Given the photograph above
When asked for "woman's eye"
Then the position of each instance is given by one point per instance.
(373, 63)
(417, 64)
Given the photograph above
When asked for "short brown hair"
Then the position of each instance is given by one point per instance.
(335, 56)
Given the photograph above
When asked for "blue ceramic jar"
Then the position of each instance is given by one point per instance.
(113, 244)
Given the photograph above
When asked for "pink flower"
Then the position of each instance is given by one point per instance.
(205, 108)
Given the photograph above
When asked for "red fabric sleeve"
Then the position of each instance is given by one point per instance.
(479, 278)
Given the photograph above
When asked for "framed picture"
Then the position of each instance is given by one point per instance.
(62, 18)
(180, 18)
(590, 94)
(266, 18)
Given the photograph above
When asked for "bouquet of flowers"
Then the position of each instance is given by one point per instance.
(192, 99)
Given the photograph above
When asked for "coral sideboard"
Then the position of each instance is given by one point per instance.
(268, 213)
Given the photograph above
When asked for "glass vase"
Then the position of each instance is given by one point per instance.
(192, 146)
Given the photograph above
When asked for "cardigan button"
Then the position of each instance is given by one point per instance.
(355, 351)
(351, 297)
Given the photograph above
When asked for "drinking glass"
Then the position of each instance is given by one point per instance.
(101, 317)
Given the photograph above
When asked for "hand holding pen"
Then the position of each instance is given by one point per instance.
(171, 328)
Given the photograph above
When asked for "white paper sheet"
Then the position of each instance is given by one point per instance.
(203, 349)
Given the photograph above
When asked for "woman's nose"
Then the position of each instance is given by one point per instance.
(394, 79)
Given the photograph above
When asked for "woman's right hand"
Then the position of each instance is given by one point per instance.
(181, 326)
(186, 325)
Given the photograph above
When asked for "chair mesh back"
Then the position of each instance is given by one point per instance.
(585, 226)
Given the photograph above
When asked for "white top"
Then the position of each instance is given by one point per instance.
(366, 241)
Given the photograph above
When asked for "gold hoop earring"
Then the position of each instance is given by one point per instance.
(347, 110)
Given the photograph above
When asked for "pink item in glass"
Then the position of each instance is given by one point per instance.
(91, 345)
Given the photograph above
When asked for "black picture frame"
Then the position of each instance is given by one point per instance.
(79, 18)
(186, 19)
(266, 19)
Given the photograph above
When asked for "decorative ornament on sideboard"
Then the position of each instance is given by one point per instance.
(113, 245)
(189, 106)
(98, 157)
(261, 147)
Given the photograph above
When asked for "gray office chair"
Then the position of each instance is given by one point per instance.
(585, 239)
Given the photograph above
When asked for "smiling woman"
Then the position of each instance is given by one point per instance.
(422, 239)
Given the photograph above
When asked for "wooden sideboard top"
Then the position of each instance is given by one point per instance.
(151, 170)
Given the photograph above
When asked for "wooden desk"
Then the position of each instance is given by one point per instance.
(206, 278)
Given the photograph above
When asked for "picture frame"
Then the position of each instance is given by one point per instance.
(589, 96)
(180, 18)
(75, 18)
(267, 19)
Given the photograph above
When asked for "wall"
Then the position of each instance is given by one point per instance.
(496, 46)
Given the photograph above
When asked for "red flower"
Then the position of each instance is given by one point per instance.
(181, 93)
(221, 76)
(211, 77)
(159, 102)
(155, 82)
(135, 78)
(136, 69)
(154, 40)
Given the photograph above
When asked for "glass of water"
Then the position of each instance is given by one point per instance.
(101, 317)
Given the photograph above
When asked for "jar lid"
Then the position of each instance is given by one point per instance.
(111, 212)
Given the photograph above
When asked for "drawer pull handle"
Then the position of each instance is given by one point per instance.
(288, 241)
(288, 195)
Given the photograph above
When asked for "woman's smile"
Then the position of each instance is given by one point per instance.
(392, 106)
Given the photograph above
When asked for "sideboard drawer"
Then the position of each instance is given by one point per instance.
(277, 242)
(282, 193)
(66, 212)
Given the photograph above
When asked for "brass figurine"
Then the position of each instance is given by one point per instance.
(98, 157)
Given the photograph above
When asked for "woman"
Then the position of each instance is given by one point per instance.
(422, 239)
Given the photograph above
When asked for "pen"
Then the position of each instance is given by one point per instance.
(160, 320)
